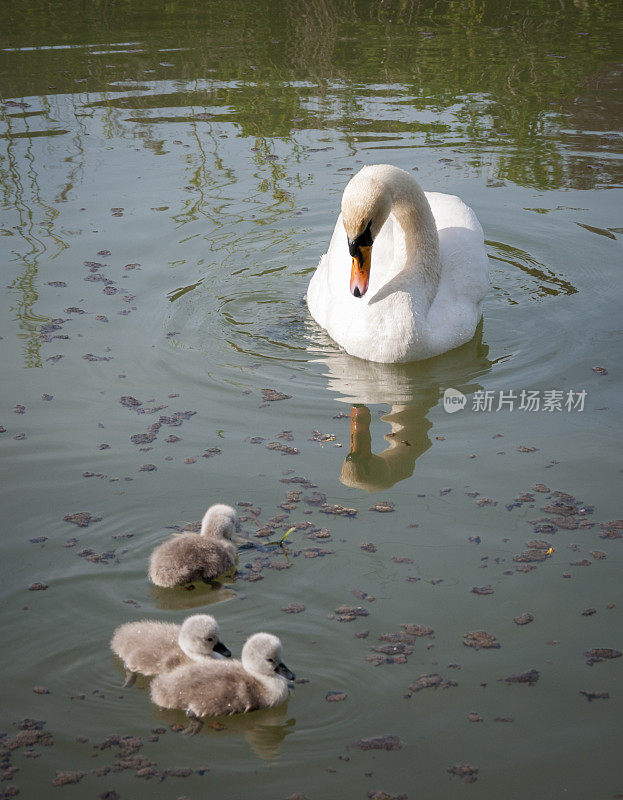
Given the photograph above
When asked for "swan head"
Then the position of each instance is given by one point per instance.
(262, 655)
(199, 637)
(219, 521)
(366, 204)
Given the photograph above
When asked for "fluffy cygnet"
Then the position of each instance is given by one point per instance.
(259, 680)
(152, 647)
(191, 557)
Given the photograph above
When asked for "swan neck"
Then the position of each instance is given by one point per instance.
(275, 687)
(416, 235)
(198, 658)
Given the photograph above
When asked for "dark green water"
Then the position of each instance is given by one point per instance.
(170, 176)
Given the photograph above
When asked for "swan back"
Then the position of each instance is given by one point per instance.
(146, 645)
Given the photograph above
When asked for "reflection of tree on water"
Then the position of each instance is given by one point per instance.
(21, 190)
(515, 74)
(411, 390)
(508, 68)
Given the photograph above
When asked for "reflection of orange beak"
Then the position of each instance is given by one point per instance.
(360, 271)
(360, 439)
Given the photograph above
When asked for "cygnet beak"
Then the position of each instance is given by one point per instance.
(281, 669)
(222, 650)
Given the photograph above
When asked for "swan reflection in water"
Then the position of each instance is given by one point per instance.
(184, 598)
(411, 390)
(263, 730)
(408, 439)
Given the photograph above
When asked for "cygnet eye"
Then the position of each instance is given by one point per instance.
(210, 639)
(272, 660)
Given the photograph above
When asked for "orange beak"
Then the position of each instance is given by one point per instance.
(360, 271)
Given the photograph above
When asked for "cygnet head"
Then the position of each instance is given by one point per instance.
(262, 655)
(219, 521)
(199, 637)
(366, 204)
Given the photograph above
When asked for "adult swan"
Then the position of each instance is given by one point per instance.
(417, 265)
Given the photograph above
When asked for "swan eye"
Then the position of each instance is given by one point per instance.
(271, 660)
(209, 639)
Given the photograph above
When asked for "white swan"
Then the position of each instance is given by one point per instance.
(213, 688)
(417, 265)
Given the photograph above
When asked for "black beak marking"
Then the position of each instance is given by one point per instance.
(356, 292)
(222, 650)
(363, 240)
(281, 669)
